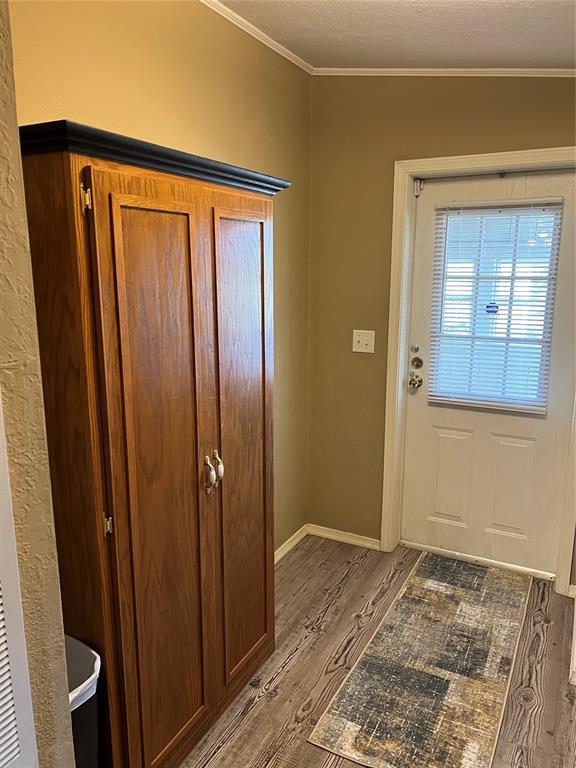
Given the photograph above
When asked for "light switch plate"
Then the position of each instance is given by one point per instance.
(363, 341)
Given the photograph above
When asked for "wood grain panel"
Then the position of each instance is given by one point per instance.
(242, 258)
(72, 403)
(153, 255)
(240, 354)
(157, 342)
(64, 375)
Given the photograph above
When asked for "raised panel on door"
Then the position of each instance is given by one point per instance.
(513, 484)
(242, 255)
(451, 475)
(162, 339)
(157, 340)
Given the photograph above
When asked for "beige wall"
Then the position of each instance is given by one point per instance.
(360, 126)
(21, 392)
(177, 74)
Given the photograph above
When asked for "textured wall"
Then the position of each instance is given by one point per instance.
(360, 126)
(27, 458)
(178, 74)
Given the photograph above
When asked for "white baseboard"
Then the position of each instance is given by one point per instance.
(290, 543)
(481, 561)
(310, 529)
(347, 538)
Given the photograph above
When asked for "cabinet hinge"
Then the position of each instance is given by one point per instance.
(85, 198)
(108, 527)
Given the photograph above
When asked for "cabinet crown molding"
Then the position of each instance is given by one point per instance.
(68, 136)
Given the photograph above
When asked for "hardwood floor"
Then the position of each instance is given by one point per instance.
(330, 598)
(539, 725)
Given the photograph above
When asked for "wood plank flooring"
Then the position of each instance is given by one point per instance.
(330, 598)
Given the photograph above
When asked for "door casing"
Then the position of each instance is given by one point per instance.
(407, 177)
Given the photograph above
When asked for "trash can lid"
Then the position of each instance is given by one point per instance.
(83, 670)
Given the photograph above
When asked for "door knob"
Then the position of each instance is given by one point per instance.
(415, 381)
(219, 467)
(211, 479)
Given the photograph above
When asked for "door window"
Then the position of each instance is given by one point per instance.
(494, 280)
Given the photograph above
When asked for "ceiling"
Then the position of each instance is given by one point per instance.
(417, 34)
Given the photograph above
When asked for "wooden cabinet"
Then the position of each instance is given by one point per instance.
(154, 299)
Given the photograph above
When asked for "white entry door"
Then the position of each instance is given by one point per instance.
(492, 329)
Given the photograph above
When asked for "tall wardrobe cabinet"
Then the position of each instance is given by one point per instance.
(153, 285)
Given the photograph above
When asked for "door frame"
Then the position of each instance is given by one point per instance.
(407, 177)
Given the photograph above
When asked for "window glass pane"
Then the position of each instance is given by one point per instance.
(493, 294)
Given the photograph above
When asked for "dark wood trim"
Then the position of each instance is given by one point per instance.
(67, 136)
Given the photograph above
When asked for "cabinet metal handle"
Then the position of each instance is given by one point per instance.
(219, 467)
(211, 478)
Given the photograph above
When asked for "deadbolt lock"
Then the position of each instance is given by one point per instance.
(415, 381)
(416, 362)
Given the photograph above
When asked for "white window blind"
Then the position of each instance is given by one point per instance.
(17, 738)
(494, 281)
(9, 736)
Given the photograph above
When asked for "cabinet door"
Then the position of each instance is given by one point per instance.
(242, 248)
(155, 293)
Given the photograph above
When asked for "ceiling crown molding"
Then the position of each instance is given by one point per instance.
(223, 10)
(436, 72)
(236, 19)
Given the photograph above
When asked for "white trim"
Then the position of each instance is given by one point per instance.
(548, 158)
(437, 72)
(573, 654)
(566, 540)
(403, 216)
(238, 21)
(280, 49)
(290, 543)
(310, 529)
(347, 538)
(480, 560)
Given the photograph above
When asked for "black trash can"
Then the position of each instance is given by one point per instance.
(83, 671)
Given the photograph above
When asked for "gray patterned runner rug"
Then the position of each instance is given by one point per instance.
(430, 688)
